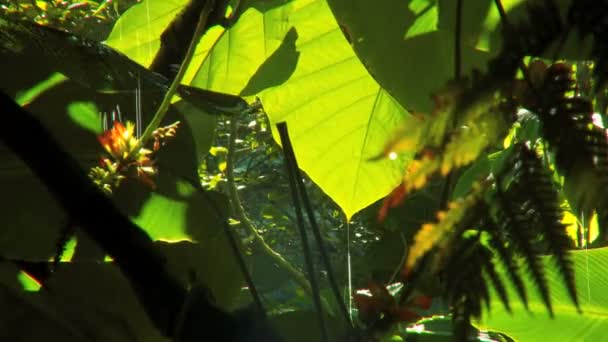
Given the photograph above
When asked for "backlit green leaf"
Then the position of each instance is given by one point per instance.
(86, 115)
(338, 116)
(426, 18)
(137, 32)
(568, 325)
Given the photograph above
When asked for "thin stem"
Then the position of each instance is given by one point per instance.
(317, 234)
(402, 261)
(292, 174)
(232, 186)
(241, 215)
(162, 109)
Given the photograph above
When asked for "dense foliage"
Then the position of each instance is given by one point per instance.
(454, 159)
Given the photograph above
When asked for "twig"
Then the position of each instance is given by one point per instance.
(231, 238)
(401, 262)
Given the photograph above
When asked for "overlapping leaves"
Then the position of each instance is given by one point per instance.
(303, 69)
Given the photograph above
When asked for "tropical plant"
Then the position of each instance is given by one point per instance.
(497, 169)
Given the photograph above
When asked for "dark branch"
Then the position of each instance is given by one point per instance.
(292, 173)
(324, 255)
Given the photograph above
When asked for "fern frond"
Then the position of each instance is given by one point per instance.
(507, 257)
(449, 223)
(489, 269)
(461, 318)
(480, 258)
(581, 147)
(461, 146)
(538, 186)
(465, 284)
(469, 116)
(471, 139)
(463, 272)
(419, 172)
(514, 220)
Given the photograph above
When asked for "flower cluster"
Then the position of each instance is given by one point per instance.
(127, 155)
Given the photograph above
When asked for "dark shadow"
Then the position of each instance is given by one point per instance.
(277, 68)
(217, 266)
(263, 6)
(32, 218)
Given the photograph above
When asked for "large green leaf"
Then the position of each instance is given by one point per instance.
(412, 69)
(568, 325)
(294, 57)
(137, 32)
(167, 212)
(178, 211)
(426, 17)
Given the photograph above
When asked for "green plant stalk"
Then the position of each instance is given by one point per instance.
(240, 214)
(162, 109)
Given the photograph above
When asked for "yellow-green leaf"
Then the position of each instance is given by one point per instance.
(297, 60)
(568, 324)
